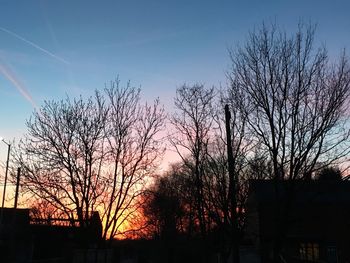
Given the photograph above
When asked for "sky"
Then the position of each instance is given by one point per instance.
(53, 49)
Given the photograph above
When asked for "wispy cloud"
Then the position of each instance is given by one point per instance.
(11, 76)
(34, 45)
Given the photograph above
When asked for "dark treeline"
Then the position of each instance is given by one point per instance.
(289, 115)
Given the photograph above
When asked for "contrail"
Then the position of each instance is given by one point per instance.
(17, 83)
(34, 45)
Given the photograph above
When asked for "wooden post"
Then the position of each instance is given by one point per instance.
(232, 189)
(17, 186)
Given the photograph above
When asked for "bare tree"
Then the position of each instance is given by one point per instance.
(62, 153)
(201, 142)
(134, 146)
(295, 102)
(86, 155)
(226, 194)
(43, 210)
(192, 122)
(164, 207)
(329, 174)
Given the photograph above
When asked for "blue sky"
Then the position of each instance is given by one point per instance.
(53, 48)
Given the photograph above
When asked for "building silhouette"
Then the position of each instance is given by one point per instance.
(309, 219)
(26, 239)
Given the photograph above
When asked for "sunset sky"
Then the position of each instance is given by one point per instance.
(50, 49)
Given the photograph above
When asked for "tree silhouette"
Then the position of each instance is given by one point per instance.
(329, 174)
(92, 154)
(192, 122)
(295, 102)
(163, 208)
(294, 99)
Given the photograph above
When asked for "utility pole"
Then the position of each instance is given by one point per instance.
(6, 172)
(4, 192)
(232, 189)
(17, 186)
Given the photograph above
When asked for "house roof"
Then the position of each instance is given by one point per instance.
(14, 215)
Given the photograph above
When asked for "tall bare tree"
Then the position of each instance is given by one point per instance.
(62, 154)
(134, 147)
(294, 99)
(201, 142)
(192, 121)
(296, 106)
(85, 155)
